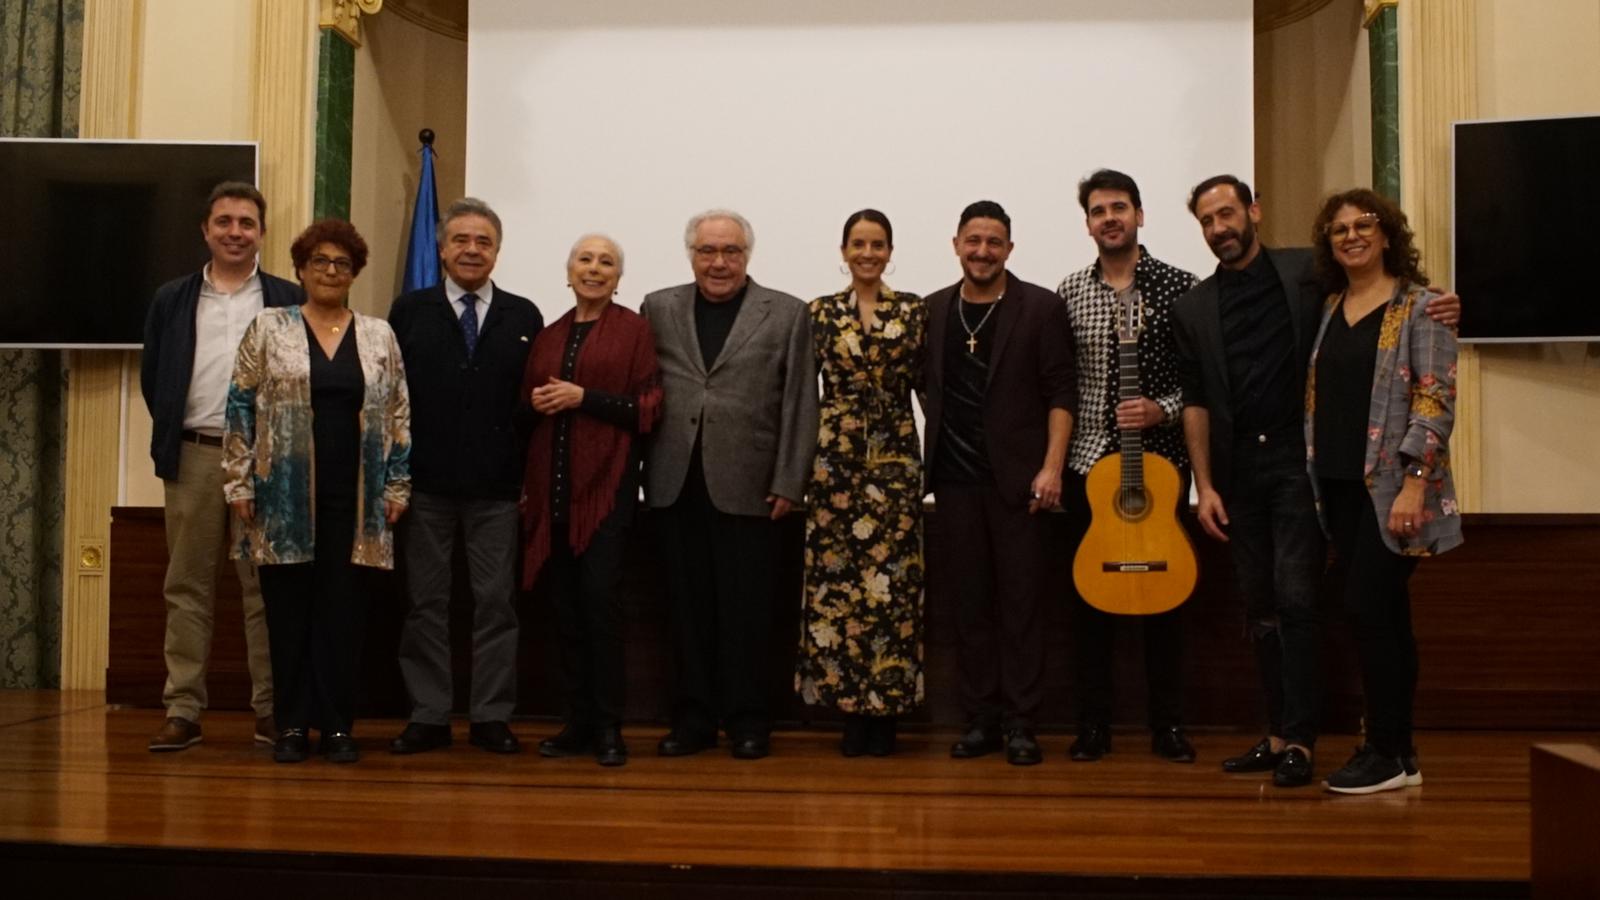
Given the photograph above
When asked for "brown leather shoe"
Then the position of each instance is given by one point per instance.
(265, 732)
(176, 734)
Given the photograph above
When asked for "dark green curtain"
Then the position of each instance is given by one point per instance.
(41, 55)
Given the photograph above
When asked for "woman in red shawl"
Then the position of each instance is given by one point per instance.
(594, 386)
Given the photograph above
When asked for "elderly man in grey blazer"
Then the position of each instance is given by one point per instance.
(729, 459)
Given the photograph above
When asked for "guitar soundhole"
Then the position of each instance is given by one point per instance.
(1133, 503)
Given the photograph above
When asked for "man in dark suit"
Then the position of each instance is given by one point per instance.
(465, 344)
(999, 388)
(191, 336)
(1244, 339)
(729, 459)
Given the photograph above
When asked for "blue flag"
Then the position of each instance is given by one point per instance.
(422, 250)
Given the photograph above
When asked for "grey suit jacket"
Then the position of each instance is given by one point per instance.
(754, 409)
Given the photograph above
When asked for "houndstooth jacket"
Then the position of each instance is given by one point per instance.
(1092, 305)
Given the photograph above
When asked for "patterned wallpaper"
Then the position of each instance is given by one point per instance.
(41, 51)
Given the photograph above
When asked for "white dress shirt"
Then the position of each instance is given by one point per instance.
(454, 292)
(220, 321)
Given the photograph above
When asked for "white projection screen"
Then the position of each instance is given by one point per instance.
(628, 116)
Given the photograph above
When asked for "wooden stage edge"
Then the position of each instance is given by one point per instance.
(84, 805)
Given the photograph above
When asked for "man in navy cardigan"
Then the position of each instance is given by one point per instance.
(465, 344)
(191, 336)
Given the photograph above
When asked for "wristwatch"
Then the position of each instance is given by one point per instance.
(1414, 469)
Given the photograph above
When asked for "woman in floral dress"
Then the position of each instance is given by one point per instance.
(861, 625)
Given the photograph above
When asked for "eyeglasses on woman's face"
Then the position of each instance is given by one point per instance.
(1363, 226)
(339, 266)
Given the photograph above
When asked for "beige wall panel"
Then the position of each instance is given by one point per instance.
(407, 79)
(1540, 403)
(197, 64)
(1313, 117)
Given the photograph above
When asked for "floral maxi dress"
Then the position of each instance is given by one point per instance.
(861, 621)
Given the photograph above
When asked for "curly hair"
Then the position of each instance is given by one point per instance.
(1401, 258)
(330, 231)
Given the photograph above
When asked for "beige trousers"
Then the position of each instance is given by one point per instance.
(197, 543)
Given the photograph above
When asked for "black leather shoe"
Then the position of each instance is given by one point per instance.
(571, 741)
(1294, 770)
(1172, 744)
(339, 747)
(609, 750)
(751, 746)
(495, 737)
(1259, 758)
(420, 738)
(681, 744)
(880, 736)
(853, 742)
(292, 746)
(979, 741)
(1022, 749)
(1094, 741)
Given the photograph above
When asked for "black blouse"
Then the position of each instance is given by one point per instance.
(337, 391)
(1345, 364)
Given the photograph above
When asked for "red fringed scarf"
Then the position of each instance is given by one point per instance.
(618, 357)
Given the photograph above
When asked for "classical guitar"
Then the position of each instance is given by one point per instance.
(1135, 559)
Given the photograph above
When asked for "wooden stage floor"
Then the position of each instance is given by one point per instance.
(82, 801)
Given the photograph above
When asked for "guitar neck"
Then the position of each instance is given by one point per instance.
(1132, 439)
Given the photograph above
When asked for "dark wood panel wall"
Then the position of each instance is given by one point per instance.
(1509, 628)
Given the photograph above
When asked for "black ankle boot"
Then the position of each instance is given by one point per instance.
(880, 737)
(856, 730)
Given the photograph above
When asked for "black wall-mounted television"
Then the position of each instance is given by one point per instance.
(1527, 216)
(89, 229)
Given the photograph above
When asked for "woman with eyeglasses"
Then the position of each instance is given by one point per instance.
(1380, 403)
(861, 620)
(315, 457)
(593, 390)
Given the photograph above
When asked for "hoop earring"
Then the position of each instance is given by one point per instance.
(844, 269)
(890, 270)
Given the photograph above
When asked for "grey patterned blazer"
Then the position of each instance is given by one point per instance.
(754, 409)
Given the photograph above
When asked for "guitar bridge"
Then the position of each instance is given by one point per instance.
(1135, 566)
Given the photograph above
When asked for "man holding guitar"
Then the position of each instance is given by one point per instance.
(1124, 286)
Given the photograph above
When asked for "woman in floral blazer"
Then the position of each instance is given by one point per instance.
(315, 464)
(1380, 403)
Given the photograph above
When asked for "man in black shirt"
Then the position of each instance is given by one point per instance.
(1000, 393)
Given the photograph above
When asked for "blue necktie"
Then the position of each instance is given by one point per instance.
(469, 322)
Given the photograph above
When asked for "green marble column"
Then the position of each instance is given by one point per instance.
(1383, 47)
(336, 85)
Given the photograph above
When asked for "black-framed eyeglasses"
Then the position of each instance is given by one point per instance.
(1364, 226)
(342, 265)
(706, 253)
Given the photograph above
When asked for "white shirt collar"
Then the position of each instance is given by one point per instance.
(454, 292)
(205, 276)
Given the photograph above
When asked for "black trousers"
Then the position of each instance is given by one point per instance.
(1378, 602)
(316, 619)
(1279, 555)
(1094, 634)
(586, 589)
(722, 586)
(993, 561)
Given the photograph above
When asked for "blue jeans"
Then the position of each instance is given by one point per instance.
(1279, 556)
